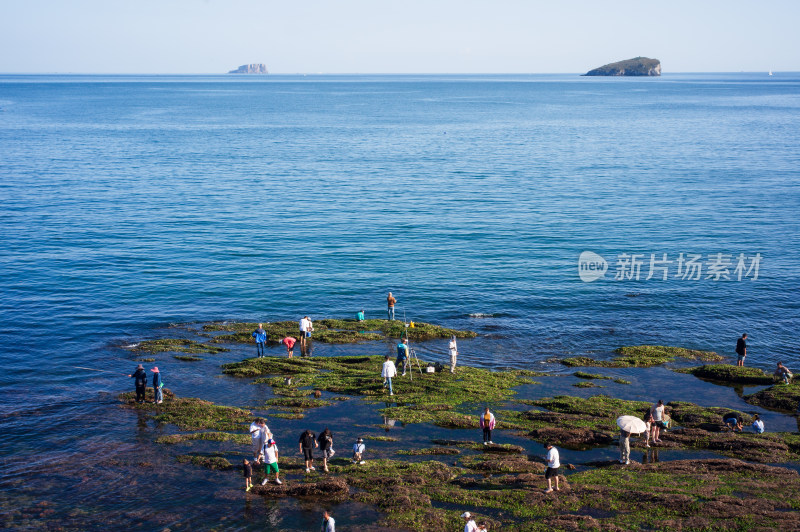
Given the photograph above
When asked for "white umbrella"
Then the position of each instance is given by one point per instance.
(631, 424)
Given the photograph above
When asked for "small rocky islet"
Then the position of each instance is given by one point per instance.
(638, 66)
(501, 483)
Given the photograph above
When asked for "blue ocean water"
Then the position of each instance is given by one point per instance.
(129, 203)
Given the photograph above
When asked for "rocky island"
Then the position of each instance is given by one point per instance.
(638, 66)
(252, 68)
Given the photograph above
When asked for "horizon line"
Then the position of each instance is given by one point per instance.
(57, 73)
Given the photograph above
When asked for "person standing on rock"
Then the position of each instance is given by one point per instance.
(487, 423)
(388, 372)
(390, 301)
(453, 348)
(260, 337)
(624, 447)
(658, 421)
(270, 453)
(741, 350)
(328, 524)
(402, 355)
(158, 397)
(140, 376)
(306, 327)
(308, 440)
(325, 441)
(258, 434)
(553, 463)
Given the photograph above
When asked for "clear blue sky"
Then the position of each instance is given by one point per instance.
(409, 36)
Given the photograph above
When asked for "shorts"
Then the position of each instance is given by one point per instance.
(307, 334)
(271, 468)
(257, 445)
(551, 472)
(661, 424)
(731, 421)
(328, 453)
(741, 357)
(308, 454)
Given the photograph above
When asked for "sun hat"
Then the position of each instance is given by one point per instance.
(360, 440)
(155, 369)
(139, 367)
(466, 515)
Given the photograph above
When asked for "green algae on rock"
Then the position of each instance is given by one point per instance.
(597, 376)
(360, 376)
(428, 451)
(587, 384)
(177, 345)
(209, 462)
(335, 331)
(642, 356)
(172, 439)
(782, 397)
(729, 373)
(191, 413)
(187, 358)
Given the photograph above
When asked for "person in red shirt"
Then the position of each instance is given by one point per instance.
(289, 343)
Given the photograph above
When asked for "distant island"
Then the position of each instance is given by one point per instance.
(252, 68)
(638, 66)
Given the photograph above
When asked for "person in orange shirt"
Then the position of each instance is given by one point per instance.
(390, 300)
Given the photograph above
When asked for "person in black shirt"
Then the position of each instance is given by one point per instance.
(326, 444)
(248, 475)
(308, 440)
(741, 349)
(141, 382)
(733, 421)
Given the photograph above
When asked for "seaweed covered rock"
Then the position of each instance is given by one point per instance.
(782, 397)
(176, 345)
(326, 488)
(334, 331)
(643, 356)
(730, 373)
(573, 438)
(769, 448)
(191, 413)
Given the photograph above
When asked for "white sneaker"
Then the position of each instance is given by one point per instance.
(491, 442)
(278, 481)
(362, 462)
(308, 470)
(264, 482)
(485, 443)
(313, 468)
(391, 394)
(627, 462)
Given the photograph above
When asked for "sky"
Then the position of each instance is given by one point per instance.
(381, 36)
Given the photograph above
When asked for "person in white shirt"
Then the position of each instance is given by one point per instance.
(553, 464)
(453, 348)
(358, 451)
(271, 461)
(469, 525)
(758, 424)
(658, 421)
(328, 524)
(258, 432)
(306, 327)
(388, 372)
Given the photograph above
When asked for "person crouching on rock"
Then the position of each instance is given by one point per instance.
(358, 451)
(758, 424)
(733, 421)
(487, 423)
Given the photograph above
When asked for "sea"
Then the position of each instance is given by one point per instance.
(555, 215)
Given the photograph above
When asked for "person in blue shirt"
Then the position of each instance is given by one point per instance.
(402, 355)
(360, 315)
(758, 424)
(260, 336)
